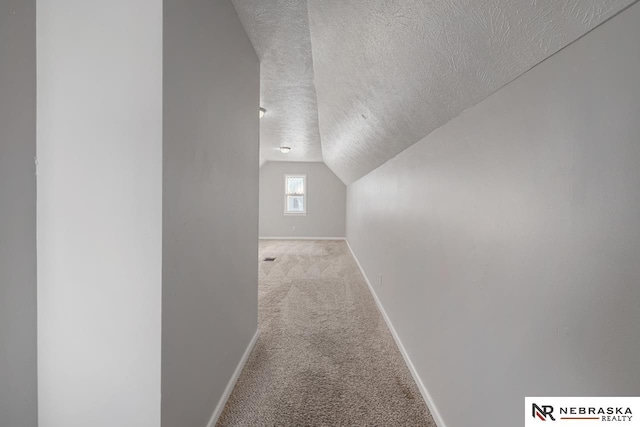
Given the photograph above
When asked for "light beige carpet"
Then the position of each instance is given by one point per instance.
(325, 356)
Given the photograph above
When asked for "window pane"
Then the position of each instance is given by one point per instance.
(295, 185)
(295, 203)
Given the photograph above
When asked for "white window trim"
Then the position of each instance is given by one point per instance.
(306, 197)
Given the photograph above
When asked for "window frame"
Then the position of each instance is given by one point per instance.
(305, 197)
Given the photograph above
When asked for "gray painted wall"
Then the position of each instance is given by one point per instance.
(326, 199)
(509, 240)
(18, 384)
(210, 205)
(99, 212)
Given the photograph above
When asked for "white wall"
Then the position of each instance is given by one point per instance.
(509, 240)
(326, 198)
(99, 212)
(18, 385)
(210, 205)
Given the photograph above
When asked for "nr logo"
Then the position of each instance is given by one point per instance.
(542, 412)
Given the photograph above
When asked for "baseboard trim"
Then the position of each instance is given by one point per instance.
(302, 238)
(423, 390)
(232, 382)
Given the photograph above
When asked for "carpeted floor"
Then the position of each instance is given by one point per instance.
(324, 356)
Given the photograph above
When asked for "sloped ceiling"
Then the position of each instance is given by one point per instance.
(279, 32)
(389, 72)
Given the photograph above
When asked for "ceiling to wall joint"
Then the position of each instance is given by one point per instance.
(353, 83)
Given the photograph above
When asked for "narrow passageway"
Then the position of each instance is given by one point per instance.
(324, 355)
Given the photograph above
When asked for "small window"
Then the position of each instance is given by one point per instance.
(295, 194)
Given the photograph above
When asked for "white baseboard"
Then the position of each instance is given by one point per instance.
(232, 382)
(302, 238)
(423, 390)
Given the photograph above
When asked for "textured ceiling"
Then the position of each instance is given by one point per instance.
(279, 32)
(389, 72)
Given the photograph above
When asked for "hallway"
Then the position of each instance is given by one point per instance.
(448, 193)
(324, 355)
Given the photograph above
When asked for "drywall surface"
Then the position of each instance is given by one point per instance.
(18, 385)
(279, 31)
(405, 68)
(99, 212)
(326, 198)
(508, 240)
(376, 76)
(210, 205)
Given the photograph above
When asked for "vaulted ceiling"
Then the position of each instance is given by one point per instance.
(355, 82)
